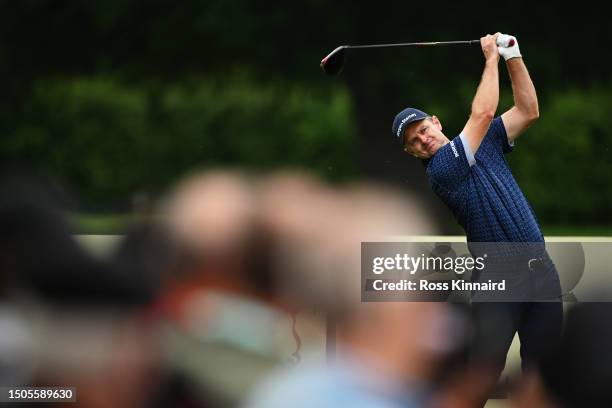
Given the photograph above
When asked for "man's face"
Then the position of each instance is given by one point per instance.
(422, 139)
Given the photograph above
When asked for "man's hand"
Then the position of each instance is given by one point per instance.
(508, 46)
(489, 47)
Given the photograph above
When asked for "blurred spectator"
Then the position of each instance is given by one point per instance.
(65, 318)
(221, 330)
(388, 353)
(578, 373)
(41, 258)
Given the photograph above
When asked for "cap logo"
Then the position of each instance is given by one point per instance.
(399, 129)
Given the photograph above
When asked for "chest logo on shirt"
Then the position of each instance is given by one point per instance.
(455, 152)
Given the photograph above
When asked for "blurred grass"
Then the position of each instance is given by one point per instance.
(113, 224)
(578, 230)
(102, 224)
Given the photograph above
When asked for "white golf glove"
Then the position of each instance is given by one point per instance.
(505, 49)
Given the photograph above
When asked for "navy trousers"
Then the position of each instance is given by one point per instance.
(539, 326)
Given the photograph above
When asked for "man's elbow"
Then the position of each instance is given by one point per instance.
(483, 115)
(532, 116)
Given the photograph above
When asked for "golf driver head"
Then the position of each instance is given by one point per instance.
(333, 63)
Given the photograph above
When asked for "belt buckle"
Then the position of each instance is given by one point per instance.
(533, 260)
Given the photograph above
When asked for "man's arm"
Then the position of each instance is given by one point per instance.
(487, 96)
(525, 110)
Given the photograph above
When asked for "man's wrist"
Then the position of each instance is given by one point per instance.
(516, 59)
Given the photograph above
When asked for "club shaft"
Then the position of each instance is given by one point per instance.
(418, 44)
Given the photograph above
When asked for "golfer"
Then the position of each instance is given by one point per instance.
(471, 176)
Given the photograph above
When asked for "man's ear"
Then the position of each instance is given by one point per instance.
(408, 151)
(436, 122)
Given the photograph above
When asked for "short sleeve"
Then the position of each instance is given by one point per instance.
(450, 165)
(468, 149)
(497, 136)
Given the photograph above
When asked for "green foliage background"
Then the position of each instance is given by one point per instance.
(119, 97)
(111, 139)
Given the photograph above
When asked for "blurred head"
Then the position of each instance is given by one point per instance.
(212, 222)
(303, 217)
(319, 234)
(210, 213)
(418, 335)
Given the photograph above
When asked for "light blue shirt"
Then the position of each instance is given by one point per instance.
(343, 383)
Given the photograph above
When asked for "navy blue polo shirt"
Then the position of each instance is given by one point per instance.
(481, 191)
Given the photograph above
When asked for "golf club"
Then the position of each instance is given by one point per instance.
(333, 63)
